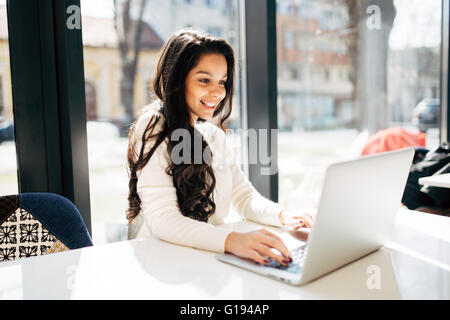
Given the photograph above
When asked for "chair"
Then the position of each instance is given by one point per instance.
(33, 224)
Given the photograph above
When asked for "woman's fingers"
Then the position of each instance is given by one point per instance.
(257, 257)
(273, 241)
(308, 220)
(265, 250)
(305, 220)
(257, 245)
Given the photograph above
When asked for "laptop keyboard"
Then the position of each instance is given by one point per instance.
(298, 259)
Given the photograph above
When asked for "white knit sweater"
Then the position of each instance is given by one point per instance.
(160, 215)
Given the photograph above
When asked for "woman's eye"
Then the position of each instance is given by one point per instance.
(222, 83)
(204, 80)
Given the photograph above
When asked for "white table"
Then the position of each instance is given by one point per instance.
(415, 265)
(440, 180)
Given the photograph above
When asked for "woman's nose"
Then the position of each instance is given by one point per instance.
(217, 92)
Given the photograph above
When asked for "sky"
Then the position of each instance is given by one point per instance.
(417, 22)
(97, 8)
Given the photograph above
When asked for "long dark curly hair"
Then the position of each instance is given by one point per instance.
(194, 181)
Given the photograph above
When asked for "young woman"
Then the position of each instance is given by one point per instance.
(184, 202)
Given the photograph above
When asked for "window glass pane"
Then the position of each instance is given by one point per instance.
(115, 96)
(8, 163)
(350, 71)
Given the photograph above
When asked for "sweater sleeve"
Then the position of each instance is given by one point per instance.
(247, 201)
(161, 213)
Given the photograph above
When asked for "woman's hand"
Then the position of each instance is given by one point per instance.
(257, 245)
(296, 220)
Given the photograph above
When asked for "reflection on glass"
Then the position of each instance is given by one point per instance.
(122, 40)
(8, 163)
(347, 70)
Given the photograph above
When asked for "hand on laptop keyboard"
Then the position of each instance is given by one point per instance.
(298, 257)
(296, 220)
(257, 245)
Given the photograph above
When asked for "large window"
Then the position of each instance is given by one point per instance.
(116, 94)
(353, 70)
(346, 70)
(8, 163)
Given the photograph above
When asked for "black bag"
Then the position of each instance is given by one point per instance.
(427, 164)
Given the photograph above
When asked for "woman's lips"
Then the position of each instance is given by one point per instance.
(207, 105)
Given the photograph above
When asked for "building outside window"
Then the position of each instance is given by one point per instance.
(364, 70)
(289, 40)
(8, 163)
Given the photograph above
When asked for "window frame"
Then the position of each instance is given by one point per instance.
(261, 86)
(49, 109)
(445, 85)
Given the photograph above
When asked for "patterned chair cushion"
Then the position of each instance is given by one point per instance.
(22, 235)
(8, 204)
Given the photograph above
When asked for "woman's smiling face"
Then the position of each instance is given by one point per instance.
(205, 85)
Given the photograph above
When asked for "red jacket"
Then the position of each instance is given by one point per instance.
(393, 139)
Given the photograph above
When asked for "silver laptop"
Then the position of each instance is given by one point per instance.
(356, 212)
